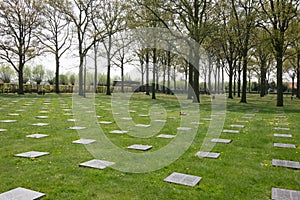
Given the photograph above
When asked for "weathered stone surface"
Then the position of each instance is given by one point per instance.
(184, 128)
(41, 124)
(183, 179)
(282, 129)
(286, 163)
(126, 118)
(207, 154)
(140, 147)
(3, 130)
(143, 125)
(84, 141)
(71, 120)
(32, 154)
(77, 127)
(231, 131)
(292, 146)
(283, 135)
(21, 194)
(166, 136)
(8, 121)
(197, 123)
(218, 140)
(42, 117)
(105, 122)
(284, 194)
(237, 126)
(160, 120)
(242, 121)
(97, 164)
(143, 115)
(118, 132)
(13, 114)
(37, 135)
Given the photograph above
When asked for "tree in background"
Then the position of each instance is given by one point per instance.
(20, 22)
(6, 74)
(38, 73)
(26, 74)
(49, 76)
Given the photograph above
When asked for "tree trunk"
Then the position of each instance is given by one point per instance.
(279, 61)
(230, 80)
(169, 71)
(298, 75)
(108, 92)
(20, 74)
(96, 66)
(239, 78)
(234, 82)
(263, 79)
(147, 74)
(122, 77)
(57, 73)
(154, 73)
(196, 98)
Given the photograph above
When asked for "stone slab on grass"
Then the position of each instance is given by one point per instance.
(42, 117)
(37, 135)
(203, 154)
(166, 136)
(41, 124)
(197, 123)
(286, 163)
(21, 194)
(143, 125)
(140, 147)
(282, 129)
(77, 127)
(84, 141)
(3, 130)
(8, 120)
(291, 146)
(242, 121)
(283, 135)
(32, 154)
(237, 126)
(284, 194)
(160, 120)
(105, 122)
(13, 114)
(183, 179)
(231, 131)
(118, 132)
(183, 128)
(218, 140)
(97, 164)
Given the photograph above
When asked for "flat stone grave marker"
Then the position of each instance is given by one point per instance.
(160, 120)
(44, 111)
(281, 124)
(249, 115)
(118, 132)
(197, 123)
(283, 135)
(231, 131)
(237, 126)
(37, 135)
(71, 120)
(13, 114)
(184, 128)
(3, 130)
(183, 179)
(77, 127)
(21, 194)
(97, 164)
(140, 147)
(203, 154)
(20, 110)
(143, 115)
(218, 140)
(286, 163)
(41, 124)
(284, 194)
(126, 118)
(42, 117)
(166, 136)
(282, 129)
(68, 114)
(8, 121)
(281, 116)
(206, 119)
(291, 146)
(84, 141)
(32, 154)
(105, 122)
(143, 125)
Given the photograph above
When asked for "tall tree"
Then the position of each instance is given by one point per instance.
(276, 18)
(20, 22)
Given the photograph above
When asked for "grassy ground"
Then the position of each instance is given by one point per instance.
(244, 170)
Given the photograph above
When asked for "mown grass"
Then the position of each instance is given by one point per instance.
(243, 171)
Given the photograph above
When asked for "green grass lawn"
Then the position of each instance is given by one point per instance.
(243, 171)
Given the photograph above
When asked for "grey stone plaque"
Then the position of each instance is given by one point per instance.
(68, 114)
(8, 120)
(84, 141)
(41, 124)
(242, 121)
(286, 163)
(105, 122)
(237, 126)
(67, 109)
(284, 194)
(218, 140)
(231, 131)
(97, 164)
(282, 129)
(126, 118)
(140, 147)
(143, 115)
(197, 123)
(160, 120)
(77, 127)
(183, 179)
(249, 115)
(32, 154)
(71, 120)
(13, 114)
(283, 135)
(37, 135)
(132, 111)
(41, 117)
(166, 136)
(184, 128)
(203, 154)
(2, 130)
(143, 125)
(291, 146)
(118, 132)
(21, 194)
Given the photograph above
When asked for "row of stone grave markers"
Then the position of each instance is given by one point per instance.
(282, 126)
